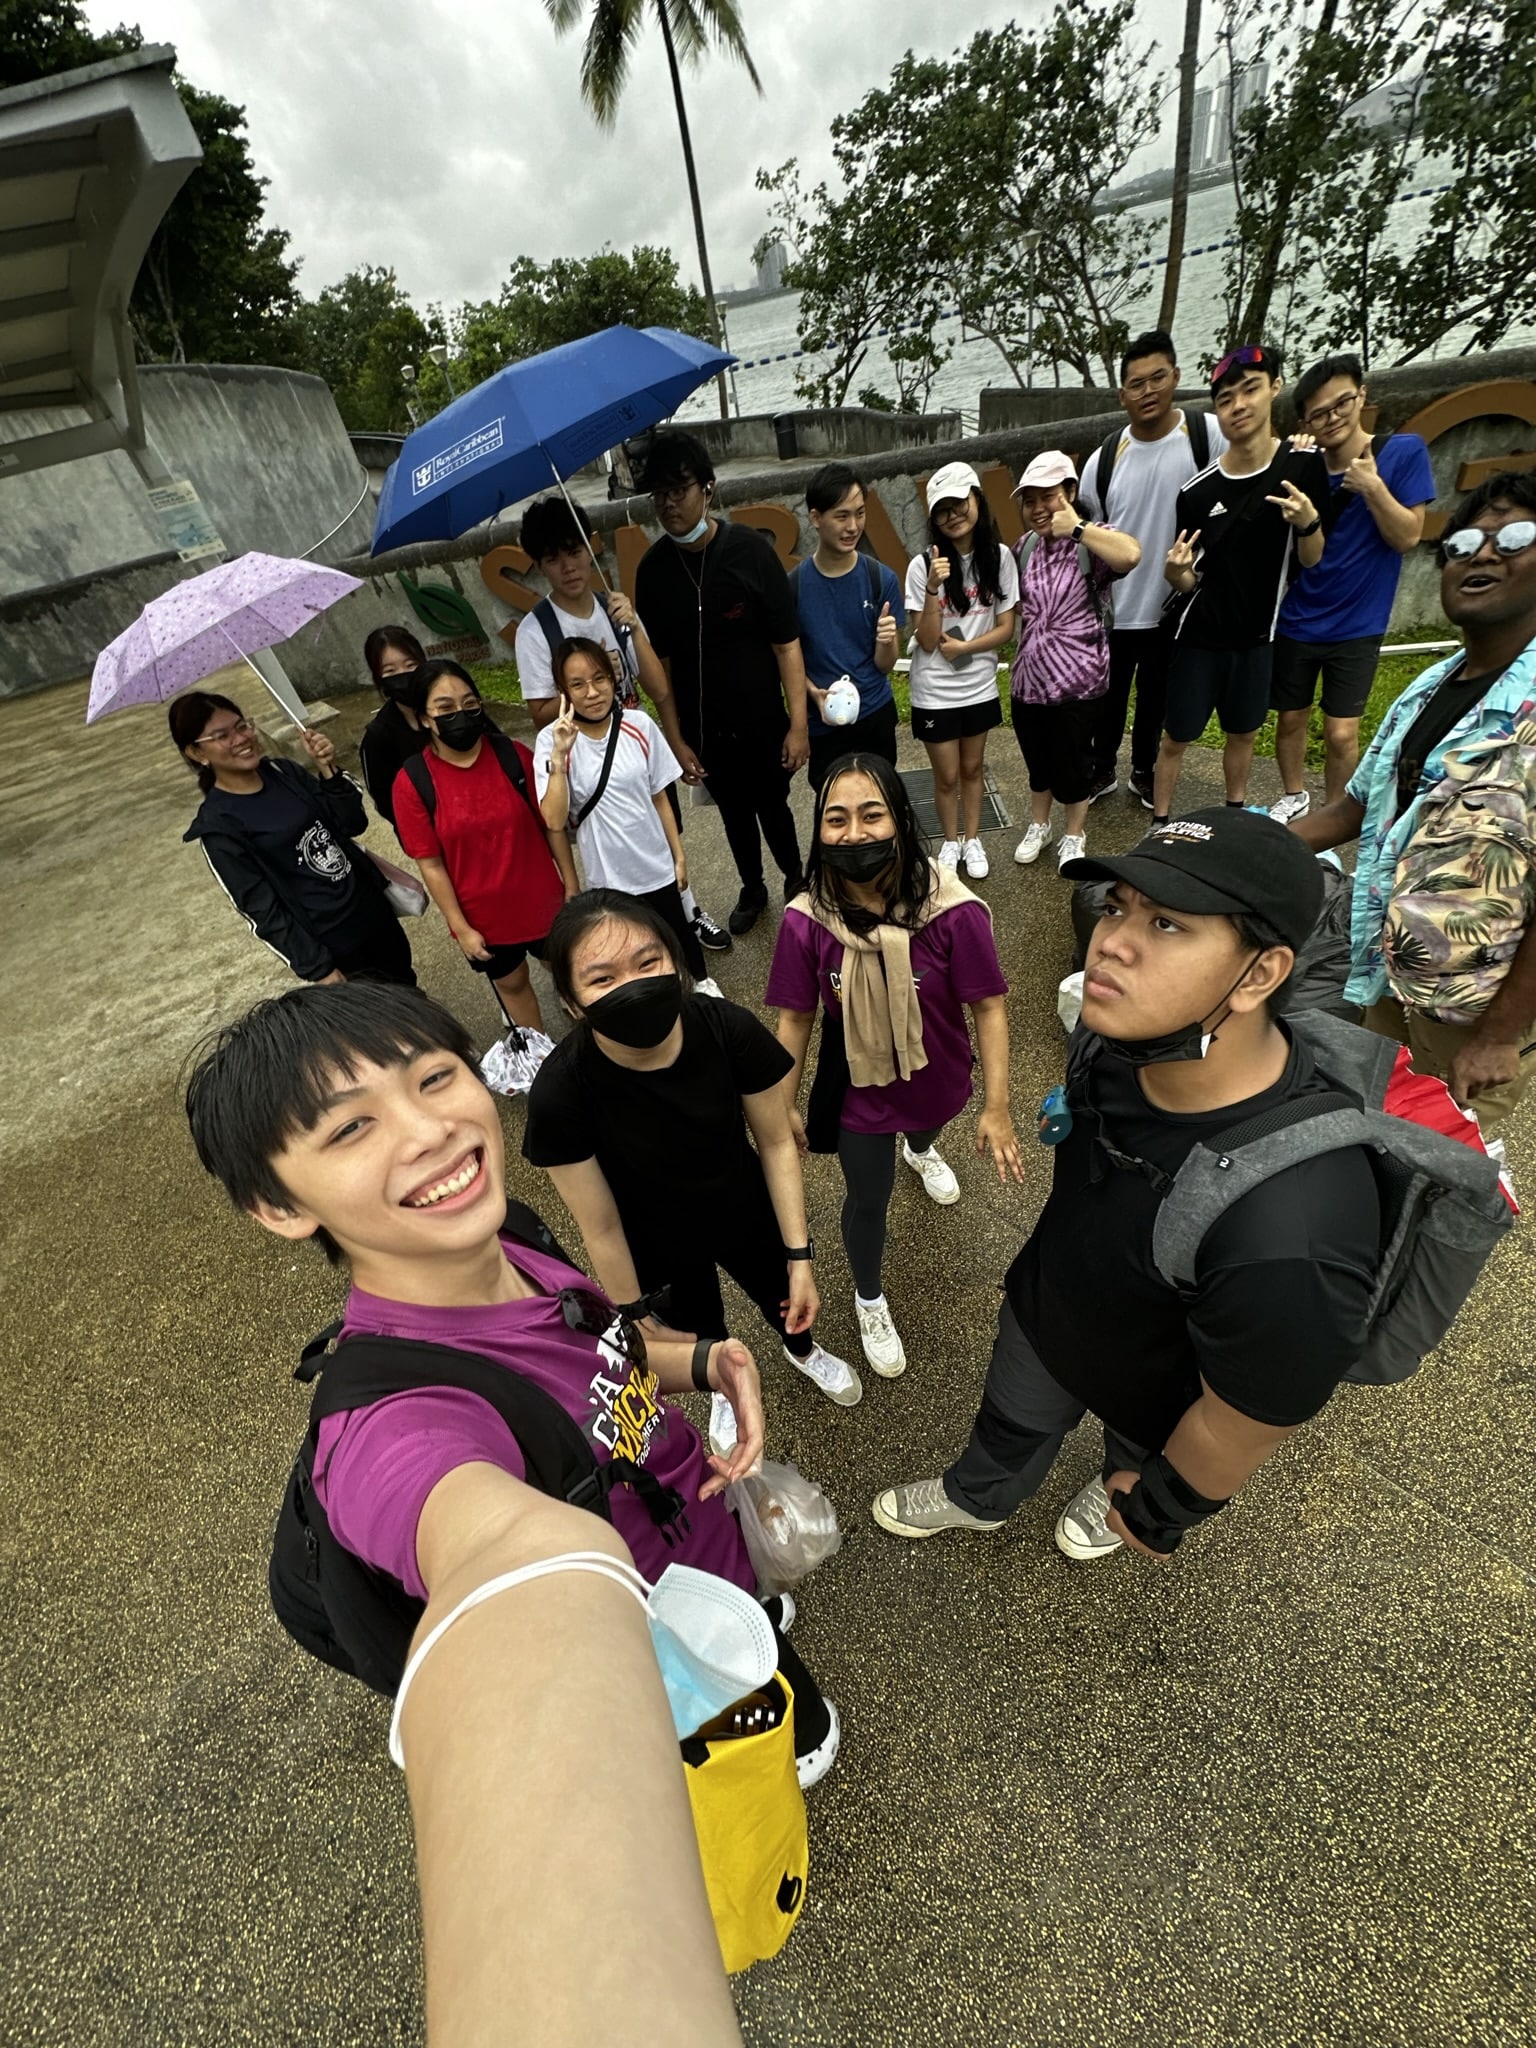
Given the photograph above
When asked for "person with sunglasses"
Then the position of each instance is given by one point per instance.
(1443, 805)
(1335, 613)
(281, 842)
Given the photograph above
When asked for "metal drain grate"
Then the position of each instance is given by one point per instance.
(919, 781)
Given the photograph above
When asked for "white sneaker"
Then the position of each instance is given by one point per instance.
(1294, 804)
(1032, 845)
(933, 1173)
(949, 854)
(709, 987)
(722, 1426)
(883, 1347)
(974, 856)
(1082, 1530)
(835, 1376)
(1073, 846)
(815, 1764)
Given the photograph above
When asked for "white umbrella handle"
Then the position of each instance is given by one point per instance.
(269, 671)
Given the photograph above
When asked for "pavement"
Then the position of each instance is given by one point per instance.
(1277, 1793)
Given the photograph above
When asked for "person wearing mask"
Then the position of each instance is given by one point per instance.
(608, 792)
(641, 1117)
(466, 813)
(1242, 523)
(1130, 482)
(962, 600)
(893, 949)
(1443, 805)
(1335, 615)
(1067, 565)
(395, 657)
(850, 612)
(560, 539)
(281, 841)
(718, 608)
(1195, 1388)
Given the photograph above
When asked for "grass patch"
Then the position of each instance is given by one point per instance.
(497, 681)
(1393, 675)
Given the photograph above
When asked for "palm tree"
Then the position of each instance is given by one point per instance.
(687, 29)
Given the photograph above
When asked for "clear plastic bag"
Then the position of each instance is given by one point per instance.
(788, 1522)
(1069, 1001)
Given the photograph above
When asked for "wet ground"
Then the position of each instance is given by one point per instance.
(1278, 1793)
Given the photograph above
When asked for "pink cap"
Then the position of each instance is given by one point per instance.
(1050, 468)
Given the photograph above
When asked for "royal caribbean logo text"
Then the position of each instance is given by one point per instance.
(448, 462)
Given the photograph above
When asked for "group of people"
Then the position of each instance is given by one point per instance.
(672, 1122)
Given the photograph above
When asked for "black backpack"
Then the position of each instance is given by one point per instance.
(331, 1602)
(554, 633)
(1199, 425)
(512, 767)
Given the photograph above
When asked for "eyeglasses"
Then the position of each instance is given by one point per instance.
(1155, 380)
(593, 1317)
(1321, 415)
(1470, 541)
(1248, 357)
(674, 494)
(225, 734)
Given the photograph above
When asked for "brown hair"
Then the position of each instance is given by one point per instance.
(187, 715)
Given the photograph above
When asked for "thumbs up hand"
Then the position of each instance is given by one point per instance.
(885, 630)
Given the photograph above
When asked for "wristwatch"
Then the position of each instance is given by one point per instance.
(1306, 532)
(1077, 531)
(803, 1251)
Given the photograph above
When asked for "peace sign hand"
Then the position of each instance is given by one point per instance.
(1296, 508)
(1179, 567)
(563, 739)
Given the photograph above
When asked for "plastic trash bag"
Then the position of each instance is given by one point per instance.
(1323, 961)
(1069, 1001)
(510, 1065)
(788, 1522)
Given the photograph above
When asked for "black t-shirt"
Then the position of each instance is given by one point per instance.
(1246, 549)
(388, 742)
(1278, 1312)
(296, 846)
(672, 1142)
(1447, 706)
(732, 602)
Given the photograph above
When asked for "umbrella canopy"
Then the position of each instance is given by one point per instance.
(198, 626)
(533, 423)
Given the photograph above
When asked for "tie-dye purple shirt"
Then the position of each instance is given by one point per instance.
(1063, 650)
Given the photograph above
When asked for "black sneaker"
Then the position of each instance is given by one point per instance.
(1141, 786)
(1104, 785)
(750, 905)
(711, 936)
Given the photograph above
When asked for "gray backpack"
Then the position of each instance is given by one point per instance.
(1102, 601)
(1443, 1205)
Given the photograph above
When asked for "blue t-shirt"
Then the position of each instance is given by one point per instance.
(1348, 594)
(838, 616)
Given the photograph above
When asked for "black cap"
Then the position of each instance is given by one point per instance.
(1219, 863)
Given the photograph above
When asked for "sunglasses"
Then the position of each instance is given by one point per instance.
(1512, 539)
(1248, 357)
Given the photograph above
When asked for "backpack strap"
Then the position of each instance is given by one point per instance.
(420, 776)
(615, 728)
(511, 766)
(1109, 455)
(1199, 425)
(1348, 1055)
(876, 581)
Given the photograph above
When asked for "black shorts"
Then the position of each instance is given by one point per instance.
(1347, 667)
(964, 723)
(506, 960)
(1231, 681)
(1056, 741)
(875, 734)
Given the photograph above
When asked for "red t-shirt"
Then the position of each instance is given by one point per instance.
(493, 847)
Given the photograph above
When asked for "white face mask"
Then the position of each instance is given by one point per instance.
(698, 532)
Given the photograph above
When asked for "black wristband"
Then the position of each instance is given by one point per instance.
(800, 1251)
(700, 1368)
(1306, 532)
(1162, 1507)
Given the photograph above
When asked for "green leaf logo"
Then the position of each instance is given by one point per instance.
(444, 612)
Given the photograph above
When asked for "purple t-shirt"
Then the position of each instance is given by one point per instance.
(1063, 653)
(954, 962)
(374, 1467)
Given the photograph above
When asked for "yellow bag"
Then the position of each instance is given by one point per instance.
(749, 1815)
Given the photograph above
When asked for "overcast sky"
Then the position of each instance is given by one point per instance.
(446, 140)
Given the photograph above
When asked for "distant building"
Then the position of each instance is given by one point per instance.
(772, 259)
(1211, 142)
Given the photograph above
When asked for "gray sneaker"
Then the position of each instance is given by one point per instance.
(1082, 1530)
(923, 1508)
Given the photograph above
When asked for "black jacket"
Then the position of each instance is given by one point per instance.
(388, 742)
(264, 896)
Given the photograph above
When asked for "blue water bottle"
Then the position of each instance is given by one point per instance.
(1055, 1116)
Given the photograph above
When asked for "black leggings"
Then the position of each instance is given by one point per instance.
(670, 903)
(748, 1244)
(869, 1174)
(375, 946)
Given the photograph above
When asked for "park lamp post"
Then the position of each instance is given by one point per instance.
(438, 354)
(725, 343)
(408, 379)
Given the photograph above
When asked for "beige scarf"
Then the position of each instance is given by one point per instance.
(882, 1023)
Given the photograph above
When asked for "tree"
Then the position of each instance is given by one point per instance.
(359, 335)
(1183, 144)
(687, 29)
(41, 37)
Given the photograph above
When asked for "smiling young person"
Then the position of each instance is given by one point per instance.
(1195, 1390)
(893, 950)
(850, 611)
(1444, 807)
(281, 844)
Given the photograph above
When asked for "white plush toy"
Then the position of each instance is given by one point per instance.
(842, 705)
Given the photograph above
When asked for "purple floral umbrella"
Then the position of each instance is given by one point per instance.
(228, 613)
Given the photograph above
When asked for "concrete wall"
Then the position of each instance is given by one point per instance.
(853, 431)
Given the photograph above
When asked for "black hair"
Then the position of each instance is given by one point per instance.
(986, 557)
(1312, 381)
(674, 456)
(580, 644)
(1273, 365)
(830, 485)
(433, 672)
(187, 715)
(1255, 936)
(552, 526)
(382, 638)
(263, 1080)
(1515, 487)
(906, 897)
(1156, 341)
(594, 907)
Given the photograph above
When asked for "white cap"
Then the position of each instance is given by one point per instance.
(954, 480)
(1050, 468)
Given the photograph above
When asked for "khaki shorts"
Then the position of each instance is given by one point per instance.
(1434, 1045)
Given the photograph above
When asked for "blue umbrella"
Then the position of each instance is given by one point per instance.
(533, 423)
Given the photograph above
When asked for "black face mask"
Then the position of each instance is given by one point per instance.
(398, 688)
(640, 1013)
(1189, 1042)
(460, 729)
(863, 861)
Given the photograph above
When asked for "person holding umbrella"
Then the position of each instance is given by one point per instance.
(280, 842)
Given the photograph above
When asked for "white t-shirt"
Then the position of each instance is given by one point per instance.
(1144, 484)
(535, 663)
(939, 685)
(621, 841)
